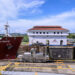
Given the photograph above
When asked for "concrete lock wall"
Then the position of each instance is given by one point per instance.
(61, 53)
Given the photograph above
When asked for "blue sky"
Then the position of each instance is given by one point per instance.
(24, 14)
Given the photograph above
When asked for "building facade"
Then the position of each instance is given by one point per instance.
(54, 35)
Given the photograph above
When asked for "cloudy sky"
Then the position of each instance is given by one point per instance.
(24, 14)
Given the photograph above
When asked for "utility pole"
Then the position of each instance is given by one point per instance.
(48, 50)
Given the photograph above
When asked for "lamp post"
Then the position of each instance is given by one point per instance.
(48, 49)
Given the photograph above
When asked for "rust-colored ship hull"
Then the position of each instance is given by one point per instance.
(9, 47)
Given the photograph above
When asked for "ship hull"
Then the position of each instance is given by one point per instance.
(9, 47)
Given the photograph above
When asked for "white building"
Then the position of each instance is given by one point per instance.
(55, 35)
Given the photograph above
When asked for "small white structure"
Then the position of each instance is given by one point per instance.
(55, 35)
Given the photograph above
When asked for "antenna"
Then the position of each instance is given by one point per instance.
(6, 29)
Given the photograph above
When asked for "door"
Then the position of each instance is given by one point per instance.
(61, 42)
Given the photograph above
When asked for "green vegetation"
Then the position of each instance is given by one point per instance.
(23, 43)
(25, 38)
(1, 36)
(71, 36)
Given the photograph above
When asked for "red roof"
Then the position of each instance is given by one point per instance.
(47, 28)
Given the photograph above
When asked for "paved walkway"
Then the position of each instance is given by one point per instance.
(37, 68)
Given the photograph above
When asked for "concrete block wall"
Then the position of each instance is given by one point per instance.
(61, 53)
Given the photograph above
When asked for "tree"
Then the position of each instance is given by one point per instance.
(25, 39)
(71, 36)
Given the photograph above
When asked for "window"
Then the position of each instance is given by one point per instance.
(61, 32)
(33, 32)
(54, 32)
(40, 32)
(36, 32)
(57, 32)
(61, 42)
(47, 32)
(37, 42)
(43, 32)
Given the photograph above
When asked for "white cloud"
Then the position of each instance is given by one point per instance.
(66, 19)
(12, 9)
(7, 9)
